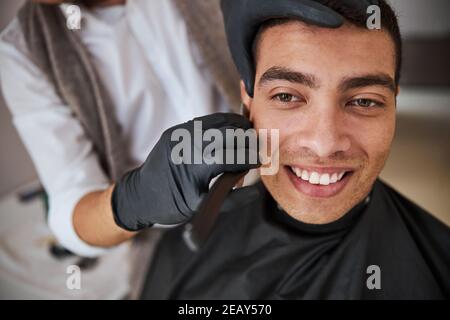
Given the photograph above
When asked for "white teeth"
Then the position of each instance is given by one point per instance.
(305, 175)
(314, 178)
(334, 178)
(317, 178)
(297, 171)
(324, 179)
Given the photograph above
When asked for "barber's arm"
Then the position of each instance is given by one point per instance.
(64, 158)
(81, 200)
(94, 223)
(162, 190)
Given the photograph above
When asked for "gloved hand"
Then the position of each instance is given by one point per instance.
(162, 192)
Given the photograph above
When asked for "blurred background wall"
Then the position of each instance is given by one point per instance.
(418, 166)
(16, 168)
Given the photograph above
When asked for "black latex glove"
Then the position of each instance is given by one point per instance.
(162, 192)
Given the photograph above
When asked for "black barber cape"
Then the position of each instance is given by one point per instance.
(257, 251)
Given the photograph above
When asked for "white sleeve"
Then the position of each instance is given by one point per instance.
(64, 158)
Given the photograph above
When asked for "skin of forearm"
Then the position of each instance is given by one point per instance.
(94, 222)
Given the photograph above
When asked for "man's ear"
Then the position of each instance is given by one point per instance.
(246, 99)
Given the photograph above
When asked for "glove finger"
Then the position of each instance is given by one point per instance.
(227, 137)
(219, 119)
(359, 5)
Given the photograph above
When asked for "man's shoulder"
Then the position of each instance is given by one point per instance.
(407, 205)
(431, 236)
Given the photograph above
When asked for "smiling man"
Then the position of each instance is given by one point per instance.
(324, 226)
(331, 92)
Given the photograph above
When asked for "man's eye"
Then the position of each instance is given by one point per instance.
(285, 97)
(365, 103)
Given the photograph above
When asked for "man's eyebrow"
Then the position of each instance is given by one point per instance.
(282, 73)
(367, 80)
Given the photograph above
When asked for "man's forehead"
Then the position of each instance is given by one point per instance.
(295, 26)
(332, 51)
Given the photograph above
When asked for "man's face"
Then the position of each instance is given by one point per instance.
(331, 94)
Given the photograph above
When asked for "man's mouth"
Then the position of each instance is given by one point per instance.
(319, 182)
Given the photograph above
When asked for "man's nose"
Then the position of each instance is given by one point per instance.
(324, 132)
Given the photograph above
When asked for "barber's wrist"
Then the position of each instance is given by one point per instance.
(93, 220)
(115, 200)
(124, 203)
(123, 232)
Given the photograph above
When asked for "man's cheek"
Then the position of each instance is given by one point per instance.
(373, 135)
(265, 121)
(378, 153)
(264, 115)
(273, 121)
(383, 141)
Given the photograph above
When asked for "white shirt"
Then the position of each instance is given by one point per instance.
(153, 74)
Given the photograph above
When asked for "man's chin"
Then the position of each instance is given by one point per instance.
(315, 203)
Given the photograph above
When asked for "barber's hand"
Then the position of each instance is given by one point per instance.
(163, 192)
